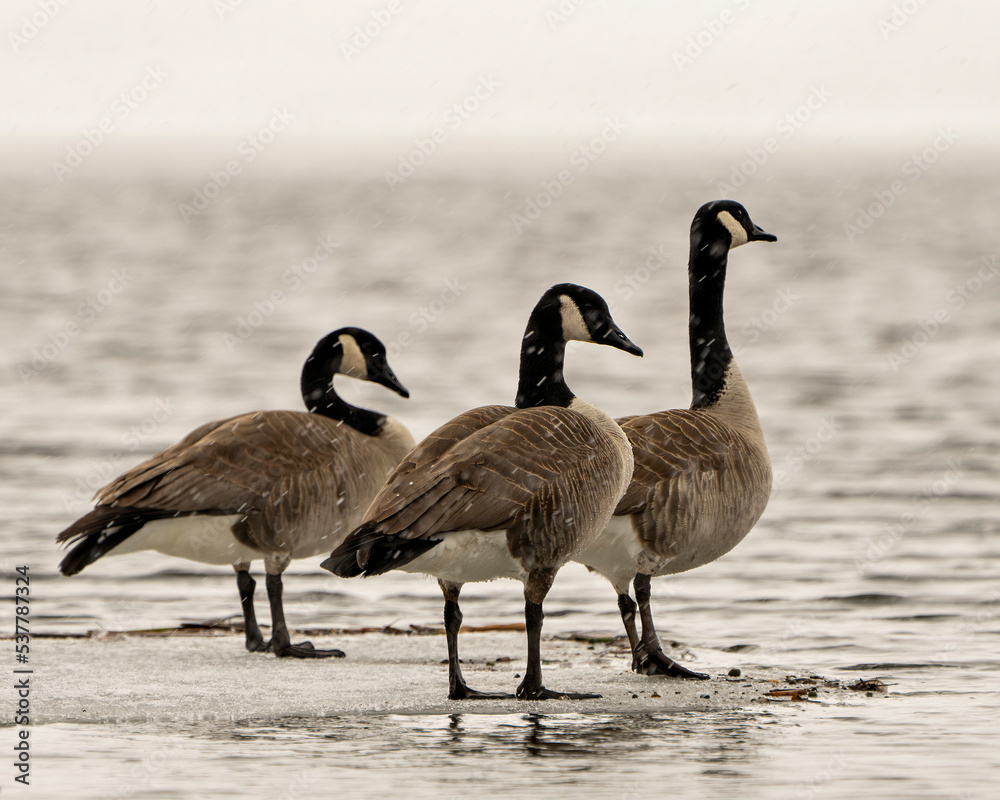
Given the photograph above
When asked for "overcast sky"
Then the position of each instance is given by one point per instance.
(539, 66)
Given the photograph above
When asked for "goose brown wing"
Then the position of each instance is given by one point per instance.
(407, 493)
(667, 446)
(138, 482)
(679, 456)
(235, 465)
(529, 470)
(427, 452)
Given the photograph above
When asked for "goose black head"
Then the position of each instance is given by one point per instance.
(347, 351)
(725, 224)
(585, 317)
(565, 313)
(362, 356)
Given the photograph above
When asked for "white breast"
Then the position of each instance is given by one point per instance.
(614, 554)
(202, 538)
(469, 557)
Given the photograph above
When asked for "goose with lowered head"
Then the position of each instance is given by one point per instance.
(270, 485)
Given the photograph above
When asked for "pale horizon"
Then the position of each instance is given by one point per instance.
(559, 68)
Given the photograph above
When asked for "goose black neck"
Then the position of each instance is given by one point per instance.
(710, 352)
(543, 351)
(320, 398)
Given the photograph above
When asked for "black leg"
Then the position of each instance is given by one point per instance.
(531, 688)
(627, 608)
(649, 658)
(254, 638)
(280, 643)
(458, 689)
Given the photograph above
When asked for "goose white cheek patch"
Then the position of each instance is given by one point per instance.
(737, 231)
(574, 328)
(353, 363)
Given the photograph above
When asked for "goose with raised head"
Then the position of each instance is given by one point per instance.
(702, 475)
(271, 485)
(502, 492)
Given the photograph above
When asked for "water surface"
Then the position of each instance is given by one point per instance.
(873, 364)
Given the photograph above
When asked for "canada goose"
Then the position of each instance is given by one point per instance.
(276, 485)
(504, 492)
(702, 475)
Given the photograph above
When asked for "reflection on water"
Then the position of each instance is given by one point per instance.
(762, 752)
(430, 756)
(713, 737)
